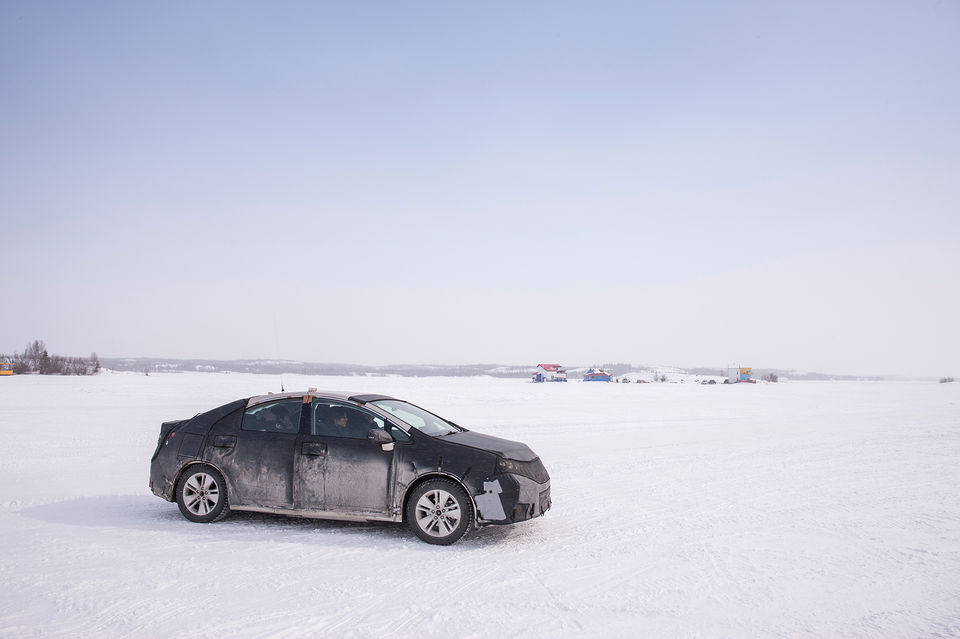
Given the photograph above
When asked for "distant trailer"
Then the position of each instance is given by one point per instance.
(740, 375)
(596, 375)
(550, 373)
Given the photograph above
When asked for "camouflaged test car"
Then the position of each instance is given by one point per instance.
(349, 457)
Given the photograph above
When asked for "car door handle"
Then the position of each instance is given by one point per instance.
(314, 448)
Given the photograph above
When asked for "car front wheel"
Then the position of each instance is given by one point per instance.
(202, 494)
(439, 512)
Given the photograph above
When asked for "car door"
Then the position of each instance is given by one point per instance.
(337, 469)
(261, 467)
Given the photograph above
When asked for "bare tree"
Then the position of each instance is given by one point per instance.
(34, 354)
(35, 358)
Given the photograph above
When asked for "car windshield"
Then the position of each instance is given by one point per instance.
(417, 417)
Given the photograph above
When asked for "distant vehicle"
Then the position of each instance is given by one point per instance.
(6, 368)
(350, 457)
(946, 380)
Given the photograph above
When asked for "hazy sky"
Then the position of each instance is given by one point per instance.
(774, 184)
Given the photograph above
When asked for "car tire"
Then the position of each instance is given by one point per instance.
(202, 494)
(439, 512)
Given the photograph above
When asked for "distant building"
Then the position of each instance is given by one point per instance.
(596, 375)
(741, 374)
(550, 373)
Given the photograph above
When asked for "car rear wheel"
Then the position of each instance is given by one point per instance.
(202, 494)
(439, 512)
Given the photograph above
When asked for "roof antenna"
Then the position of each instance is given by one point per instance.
(276, 342)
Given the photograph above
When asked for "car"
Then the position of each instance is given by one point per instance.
(350, 457)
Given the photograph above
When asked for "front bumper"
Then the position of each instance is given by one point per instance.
(510, 498)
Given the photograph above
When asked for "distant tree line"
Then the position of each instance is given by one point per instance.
(36, 359)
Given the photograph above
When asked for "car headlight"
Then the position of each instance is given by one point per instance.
(532, 469)
(508, 466)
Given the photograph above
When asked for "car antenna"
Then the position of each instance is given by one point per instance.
(276, 342)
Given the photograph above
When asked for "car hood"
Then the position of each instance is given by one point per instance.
(503, 447)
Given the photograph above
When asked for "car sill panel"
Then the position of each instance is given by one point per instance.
(318, 514)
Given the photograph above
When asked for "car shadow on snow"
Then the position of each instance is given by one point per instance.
(147, 513)
(260, 525)
(140, 512)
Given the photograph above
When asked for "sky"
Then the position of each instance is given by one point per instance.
(764, 184)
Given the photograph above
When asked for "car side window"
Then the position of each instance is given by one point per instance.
(333, 419)
(397, 434)
(281, 416)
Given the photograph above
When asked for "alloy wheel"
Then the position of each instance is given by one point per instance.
(438, 513)
(201, 494)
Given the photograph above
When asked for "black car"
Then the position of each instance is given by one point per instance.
(349, 457)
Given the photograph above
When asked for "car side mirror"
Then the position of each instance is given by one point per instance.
(382, 437)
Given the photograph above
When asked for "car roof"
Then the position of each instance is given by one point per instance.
(359, 398)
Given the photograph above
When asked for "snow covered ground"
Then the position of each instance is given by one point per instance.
(818, 509)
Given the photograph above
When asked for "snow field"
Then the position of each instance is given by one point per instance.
(820, 509)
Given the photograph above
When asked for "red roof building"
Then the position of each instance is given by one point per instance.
(550, 373)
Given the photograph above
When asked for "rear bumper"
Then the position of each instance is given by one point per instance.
(161, 483)
(162, 489)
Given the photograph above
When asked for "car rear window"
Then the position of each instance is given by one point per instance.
(281, 416)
